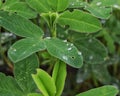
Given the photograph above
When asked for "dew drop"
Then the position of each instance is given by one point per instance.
(64, 40)
(116, 6)
(48, 37)
(14, 49)
(72, 4)
(90, 40)
(98, 3)
(103, 21)
(79, 53)
(67, 44)
(106, 58)
(69, 49)
(79, 80)
(65, 57)
(71, 44)
(91, 57)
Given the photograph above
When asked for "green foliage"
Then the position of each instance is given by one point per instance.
(24, 48)
(41, 6)
(7, 84)
(102, 91)
(94, 54)
(71, 38)
(59, 75)
(79, 21)
(19, 25)
(24, 78)
(34, 94)
(65, 51)
(58, 5)
(21, 8)
(96, 7)
(45, 83)
(23, 83)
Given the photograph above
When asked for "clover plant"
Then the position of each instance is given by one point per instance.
(64, 19)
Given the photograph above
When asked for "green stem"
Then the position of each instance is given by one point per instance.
(93, 77)
(95, 81)
(115, 69)
(53, 18)
(53, 31)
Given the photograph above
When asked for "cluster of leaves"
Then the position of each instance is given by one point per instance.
(66, 22)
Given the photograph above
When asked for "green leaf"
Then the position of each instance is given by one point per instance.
(34, 94)
(103, 76)
(93, 50)
(41, 6)
(45, 83)
(66, 52)
(24, 78)
(1, 3)
(19, 25)
(59, 5)
(24, 48)
(9, 3)
(110, 42)
(59, 76)
(117, 4)
(79, 21)
(100, 12)
(101, 8)
(101, 91)
(76, 3)
(9, 87)
(106, 3)
(22, 9)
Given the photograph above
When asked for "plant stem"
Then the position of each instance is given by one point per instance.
(10, 65)
(115, 69)
(53, 31)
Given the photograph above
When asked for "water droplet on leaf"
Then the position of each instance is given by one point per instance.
(64, 40)
(48, 37)
(91, 57)
(90, 40)
(79, 53)
(65, 57)
(13, 49)
(72, 4)
(116, 6)
(71, 44)
(98, 3)
(67, 44)
(70, 48)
